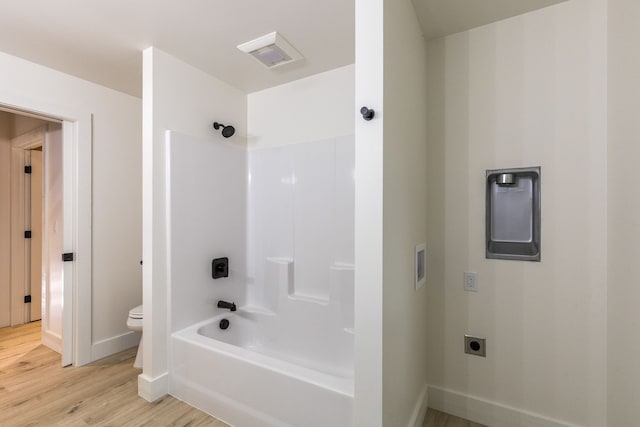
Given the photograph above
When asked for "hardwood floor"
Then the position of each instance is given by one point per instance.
(36, 391)
(440, 419)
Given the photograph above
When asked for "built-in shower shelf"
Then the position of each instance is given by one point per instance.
(343, 266)
(309, 298)
(254, 309)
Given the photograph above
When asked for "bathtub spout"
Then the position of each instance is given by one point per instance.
(228, 305)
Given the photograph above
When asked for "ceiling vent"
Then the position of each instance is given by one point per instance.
(271, 50)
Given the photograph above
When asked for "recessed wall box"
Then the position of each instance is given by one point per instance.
(421, 250)
(513, 214)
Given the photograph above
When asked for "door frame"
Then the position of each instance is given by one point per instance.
(77, 144)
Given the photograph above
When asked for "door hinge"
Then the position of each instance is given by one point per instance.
(27, 234)
(27, 169)
(67, 257)
(27, 299)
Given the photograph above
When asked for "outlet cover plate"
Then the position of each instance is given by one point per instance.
(470, 281)
(475, 346)
(421, 257)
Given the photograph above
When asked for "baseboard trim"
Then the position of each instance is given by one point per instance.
(113, 345)
(52, 340)
(420, 408)
(152, 389)
(487, 412)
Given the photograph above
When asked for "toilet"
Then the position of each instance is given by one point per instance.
(134, 322)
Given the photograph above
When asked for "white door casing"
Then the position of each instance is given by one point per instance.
(73, 295)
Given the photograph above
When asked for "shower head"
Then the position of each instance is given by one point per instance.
(227, 131)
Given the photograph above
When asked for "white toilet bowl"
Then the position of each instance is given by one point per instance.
(134, 322)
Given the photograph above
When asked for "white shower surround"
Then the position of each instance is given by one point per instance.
(284, 217)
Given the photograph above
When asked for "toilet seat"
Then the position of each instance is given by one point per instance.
(136, 312)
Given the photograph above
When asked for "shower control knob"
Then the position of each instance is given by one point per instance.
(367, 113)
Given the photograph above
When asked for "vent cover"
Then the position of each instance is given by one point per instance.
(271, 50)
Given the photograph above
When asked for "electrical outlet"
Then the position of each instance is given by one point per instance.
(470, 282)
(475, 346)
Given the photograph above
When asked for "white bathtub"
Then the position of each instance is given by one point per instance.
(258, 373)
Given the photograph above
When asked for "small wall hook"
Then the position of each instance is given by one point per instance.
(367, 113)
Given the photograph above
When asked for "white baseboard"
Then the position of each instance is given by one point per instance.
(487, 412)
(420, 408)
(152, 389)
(114, 345)
(52, 340)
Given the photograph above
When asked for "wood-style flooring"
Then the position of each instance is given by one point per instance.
(36, 391)
(440, 419)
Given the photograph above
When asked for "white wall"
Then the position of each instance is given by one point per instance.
(404, 217)
(310, 109)
(528, 91)
(623, 290)
(178, 97)
(117, 217)
(116, 176)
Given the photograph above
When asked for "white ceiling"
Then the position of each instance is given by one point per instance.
(442, 17)
(102, 40)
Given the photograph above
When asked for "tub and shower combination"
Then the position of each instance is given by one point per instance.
(242, 376)
(284, 218)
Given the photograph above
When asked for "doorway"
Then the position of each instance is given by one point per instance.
(32, 279)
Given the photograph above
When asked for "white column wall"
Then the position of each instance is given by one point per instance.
(177, 97)
(368, 349)
(390, 315)
(404, 360)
